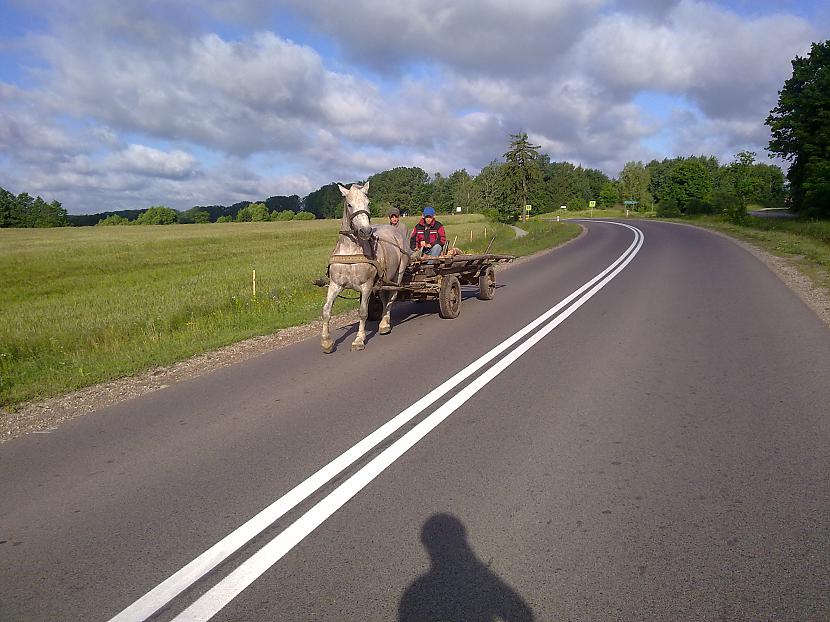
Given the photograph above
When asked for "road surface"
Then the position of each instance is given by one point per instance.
(635, 428)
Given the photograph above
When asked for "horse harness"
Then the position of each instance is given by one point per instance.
(379, 264)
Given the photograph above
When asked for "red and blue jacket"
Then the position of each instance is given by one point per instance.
(430, 234)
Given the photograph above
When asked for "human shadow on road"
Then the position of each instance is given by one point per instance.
(458, 586)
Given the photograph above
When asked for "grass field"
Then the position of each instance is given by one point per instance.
(88, 304)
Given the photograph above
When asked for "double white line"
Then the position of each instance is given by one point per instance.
(226, 590)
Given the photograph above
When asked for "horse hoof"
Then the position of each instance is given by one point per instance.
(385, 330)
(328, 348)
(357, 347)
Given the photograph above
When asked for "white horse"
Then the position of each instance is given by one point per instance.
(363, 256)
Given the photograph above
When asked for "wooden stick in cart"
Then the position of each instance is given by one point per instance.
(487, 250)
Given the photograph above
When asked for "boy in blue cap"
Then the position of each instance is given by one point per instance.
(428, 236)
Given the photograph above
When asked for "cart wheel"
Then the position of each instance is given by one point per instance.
(375, 308)
(449, 297)
(487, 284)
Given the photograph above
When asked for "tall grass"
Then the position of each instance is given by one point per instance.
(83, 305)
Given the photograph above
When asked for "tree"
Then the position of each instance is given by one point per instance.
(743, 181)
(255, 212)
(608, 196)
(325, 202)
(690, 179)
(800, 128)
(157, 215)
(201, 216)
(633, 183)
(522, 172)
(406, 188)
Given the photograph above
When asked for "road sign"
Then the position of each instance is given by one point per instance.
(528, 207)
(458, 209)
(592, 203)
(630, 202)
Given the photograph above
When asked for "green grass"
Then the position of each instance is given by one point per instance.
(89, 304)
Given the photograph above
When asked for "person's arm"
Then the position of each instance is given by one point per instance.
(413, 238)
(442, 237)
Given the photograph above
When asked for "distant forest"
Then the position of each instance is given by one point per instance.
(684, 184)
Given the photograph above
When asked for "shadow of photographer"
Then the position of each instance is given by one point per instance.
(458, 586)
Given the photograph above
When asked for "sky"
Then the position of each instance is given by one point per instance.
(110, 105)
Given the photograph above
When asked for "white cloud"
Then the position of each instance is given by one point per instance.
(131, 104)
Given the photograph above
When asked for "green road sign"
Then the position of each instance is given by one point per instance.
(630, 202)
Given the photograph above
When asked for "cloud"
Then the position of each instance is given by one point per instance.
(133, 104)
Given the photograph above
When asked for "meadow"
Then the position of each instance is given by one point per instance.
(83, 305)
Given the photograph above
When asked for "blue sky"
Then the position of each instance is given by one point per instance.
(110, 105)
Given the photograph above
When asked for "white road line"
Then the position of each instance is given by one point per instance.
(182, 579)
(249, 571)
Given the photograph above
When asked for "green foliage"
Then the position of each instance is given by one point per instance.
(201, 217)
(406, 188)
(304, 216)
(226, 218)
(326, 202)
(255, 212)
(633, 184)
(800, 129)
(521, 172)
(696, 207)
(112, 220)
(158, 215)
(609, 196)
(728, 204)
(283, 215)
(667, 208)
(24, 211)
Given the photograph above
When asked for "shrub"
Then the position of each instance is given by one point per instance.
(730, 205)
(285, 214)
(158, 215)
(304, 216)
(699, 206)
(667, 208)
(225, 219)
(112, 219)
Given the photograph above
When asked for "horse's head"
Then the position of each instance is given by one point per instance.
(357, 209)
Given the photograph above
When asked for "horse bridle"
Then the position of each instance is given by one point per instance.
(352, 216)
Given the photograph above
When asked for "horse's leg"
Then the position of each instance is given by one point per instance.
(359, 342)
(325, 337)
(385, 326)
(387, 298)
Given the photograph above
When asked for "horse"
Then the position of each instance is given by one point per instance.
(363, 255)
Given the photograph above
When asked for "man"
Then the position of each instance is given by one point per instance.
(428, 236)
(395, 220)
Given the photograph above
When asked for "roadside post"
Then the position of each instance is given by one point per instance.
(592, 205)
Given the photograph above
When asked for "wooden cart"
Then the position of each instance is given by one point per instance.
(441, 278)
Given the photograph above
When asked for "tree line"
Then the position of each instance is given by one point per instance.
(24, 210)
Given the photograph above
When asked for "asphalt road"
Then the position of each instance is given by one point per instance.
(655, 448)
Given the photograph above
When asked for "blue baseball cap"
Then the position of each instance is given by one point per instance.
(429, 211)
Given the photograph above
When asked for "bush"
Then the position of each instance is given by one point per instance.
(158, 215)
(225, 219)
(699, 206)
(285, 214)
(304, 216)
(112, 219)
(728, 204)
(667, 208)
(491, 214)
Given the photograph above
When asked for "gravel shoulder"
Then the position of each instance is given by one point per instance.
(45, 415)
